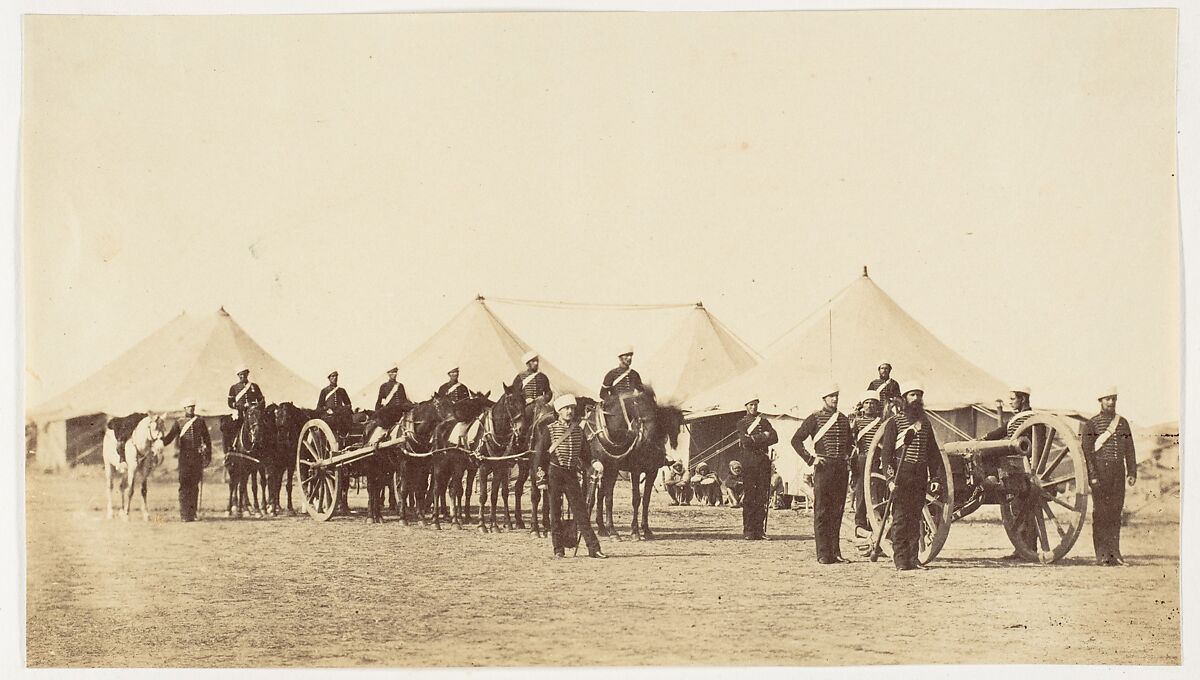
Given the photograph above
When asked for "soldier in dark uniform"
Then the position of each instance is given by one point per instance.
(755, 434)
(911, 451)
(888, 389)
(1108, 449)
(865, 424)
(533, 384)
(334, 406)
(829, 429)
(623, 378)
(243, 393)
(452, 389)
(559, 448)
(392, 402)
(1018, 401)
(195, 453)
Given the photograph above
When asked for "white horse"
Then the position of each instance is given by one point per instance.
(143, 452)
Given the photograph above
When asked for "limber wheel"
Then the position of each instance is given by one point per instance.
(939, 507)
(319, 484)
(1044, 519)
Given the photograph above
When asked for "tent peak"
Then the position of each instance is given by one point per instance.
(479, 298)
(222, 311)
(699, 304)
(865, 272)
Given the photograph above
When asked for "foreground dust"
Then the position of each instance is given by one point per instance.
(290, 591)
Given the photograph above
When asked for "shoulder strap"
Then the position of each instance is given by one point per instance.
(529, 378)
(187, 426)
(561, 438)
(753, 424)
(332, 393)
(867, 430)
(1108, 432)
(388, 398)
(826, 427)
(243, 392)
(621, 377)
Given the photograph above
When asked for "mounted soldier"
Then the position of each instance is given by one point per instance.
(888, 389)
(831, 441)
(533, 385)
(1018, 401)
(454, 391)
(392, 401)
(334, 406)
(623, 379)
(243, 393)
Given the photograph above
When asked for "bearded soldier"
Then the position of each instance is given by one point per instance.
(1018, 401)
(888, 389)
(910, 451)
(829, 429)
(865, 425)
(195, 453)
(623, 378)
(334, 406)
(559, 448)
(533, 383)
(755, 434)
(243, 393)
(1108, 449)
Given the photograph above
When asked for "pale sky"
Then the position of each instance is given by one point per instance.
(344, 185)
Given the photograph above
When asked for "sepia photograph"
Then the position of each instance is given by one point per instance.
(395, 338)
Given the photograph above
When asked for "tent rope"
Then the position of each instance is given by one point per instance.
(585, 305)
(949, 426)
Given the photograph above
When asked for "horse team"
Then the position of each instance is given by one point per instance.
(427, 468)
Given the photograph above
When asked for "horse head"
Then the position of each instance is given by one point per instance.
(508, 414)
(254, 425)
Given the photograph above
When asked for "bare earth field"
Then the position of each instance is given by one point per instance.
(290, 591)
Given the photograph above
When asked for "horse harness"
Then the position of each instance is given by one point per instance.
(596, 427)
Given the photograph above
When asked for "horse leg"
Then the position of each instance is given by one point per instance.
(468, 488)
(494, 497)
(108, 485)
(635, 483)
(535, 500)
(508, 521)
(145, 509)
(483, 476)
(438, 482)
(291, 474)
(609, 485)
(455, 481)
(127, 489)
(519, 490)
(647, 487)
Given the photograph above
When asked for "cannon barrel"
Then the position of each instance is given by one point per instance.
(1003, 447)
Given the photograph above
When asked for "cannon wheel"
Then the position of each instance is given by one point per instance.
(935, 520)
(1056, 500)
(319, 485)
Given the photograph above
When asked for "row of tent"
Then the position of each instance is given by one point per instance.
(695, 361)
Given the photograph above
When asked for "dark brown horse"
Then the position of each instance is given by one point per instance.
(538, 413)
(246, 443)
(289, 418)
(411, 460)
(630, 432)
(452, 460)
(498, 445)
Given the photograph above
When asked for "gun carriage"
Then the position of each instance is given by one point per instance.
(1038, 477)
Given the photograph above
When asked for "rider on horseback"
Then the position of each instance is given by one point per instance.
(454, 392)
(534, 385)
(334, 406)
(243, 393)
(623, 379)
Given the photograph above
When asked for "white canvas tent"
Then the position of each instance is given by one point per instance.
(700, 354)
(844, 342)
(191, 356)
(487, 352)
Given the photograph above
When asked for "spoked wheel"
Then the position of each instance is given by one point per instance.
(939, 507)
(319, 484)
(1044, 519)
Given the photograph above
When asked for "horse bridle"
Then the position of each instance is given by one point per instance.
(599, 430)
(489, 433)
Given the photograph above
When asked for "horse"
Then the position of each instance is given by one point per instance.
(410, 460)
(246, 444)
(496, 442)
(289, 418)
(630, 431)
(451, 460)
(134, 460)
(539, 412)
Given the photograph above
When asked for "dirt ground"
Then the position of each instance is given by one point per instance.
(290, 591)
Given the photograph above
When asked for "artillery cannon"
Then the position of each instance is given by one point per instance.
(1037, 476)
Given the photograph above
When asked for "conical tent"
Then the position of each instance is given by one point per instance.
(191, 356)
(487, 353)
(844, 342)
(701, 354)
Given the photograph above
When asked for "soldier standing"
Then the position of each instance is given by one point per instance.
(865, 425)
(829, 429)
(334, 406)
(1108, 449)
(1018, 401)
(755, 434)
(888, 389)
(195, 453)
(911, 452)
(559, 448)
(243, 393)
(623, 378)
